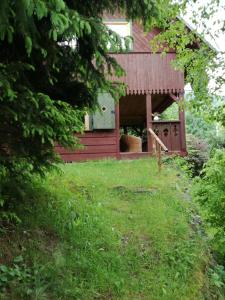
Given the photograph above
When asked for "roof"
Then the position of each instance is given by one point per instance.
(191, 28)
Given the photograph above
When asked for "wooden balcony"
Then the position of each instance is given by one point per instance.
(148, 73)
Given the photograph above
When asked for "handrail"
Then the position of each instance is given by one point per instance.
(157, 141)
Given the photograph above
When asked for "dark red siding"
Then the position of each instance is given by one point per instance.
(141, 40)
(149, 73)
(96, 145)
(169, 133)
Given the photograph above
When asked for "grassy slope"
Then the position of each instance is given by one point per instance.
(105, 230)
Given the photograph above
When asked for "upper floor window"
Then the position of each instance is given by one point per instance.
(123, 28)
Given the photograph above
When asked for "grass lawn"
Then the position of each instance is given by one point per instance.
(105, 230)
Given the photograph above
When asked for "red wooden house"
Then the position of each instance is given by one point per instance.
(152, 86)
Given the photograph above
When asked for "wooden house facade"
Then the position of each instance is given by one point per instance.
(152, 86)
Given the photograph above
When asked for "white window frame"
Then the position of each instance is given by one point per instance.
(121, 22)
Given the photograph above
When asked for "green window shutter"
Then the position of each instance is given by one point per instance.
(105, 117)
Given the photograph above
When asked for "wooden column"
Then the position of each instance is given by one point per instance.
(182, 130)
(117, 112)
(149, 120)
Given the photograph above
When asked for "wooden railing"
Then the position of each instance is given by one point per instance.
(157, 146)
(169, 133)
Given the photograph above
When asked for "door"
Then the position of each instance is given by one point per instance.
(104, 118)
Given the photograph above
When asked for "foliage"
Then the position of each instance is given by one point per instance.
(217, 277)
(209, 192)
(218, 140)
(179, 163)
(198, 154)
(202, 64)
(18, 273)
(199, 127)
(212, 132)
(171, 113)
(194, 61)
(106, 230)
(193, 163)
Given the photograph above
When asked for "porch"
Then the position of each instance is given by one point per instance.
(152, 86)
(137, 113)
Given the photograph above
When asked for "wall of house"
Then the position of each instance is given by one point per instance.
(141, 40)
(146, 73)
(97, 144)
(149, 73)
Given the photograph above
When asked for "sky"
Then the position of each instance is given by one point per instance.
(213, 24)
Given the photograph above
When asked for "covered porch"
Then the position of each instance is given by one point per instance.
(153, 85)
(138, 113)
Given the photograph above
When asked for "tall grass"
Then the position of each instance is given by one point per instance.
(104, 230)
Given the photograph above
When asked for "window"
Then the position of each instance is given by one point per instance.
(122, 28)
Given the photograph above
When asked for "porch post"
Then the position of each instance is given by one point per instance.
(149, 120)
(182, 129)
(117, 130)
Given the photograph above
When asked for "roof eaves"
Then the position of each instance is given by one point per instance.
(201, 37)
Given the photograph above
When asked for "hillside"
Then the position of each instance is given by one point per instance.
(105, 230)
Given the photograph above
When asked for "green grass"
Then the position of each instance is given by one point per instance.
(104, 230)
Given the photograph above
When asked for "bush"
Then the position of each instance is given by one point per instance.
(210, 193)
(180, 163)
(14, 180)
(198, 154)
(217, 141)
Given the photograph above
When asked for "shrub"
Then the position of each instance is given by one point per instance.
(217, 141)
(198, 153)
(179, 163)
(210, 193)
